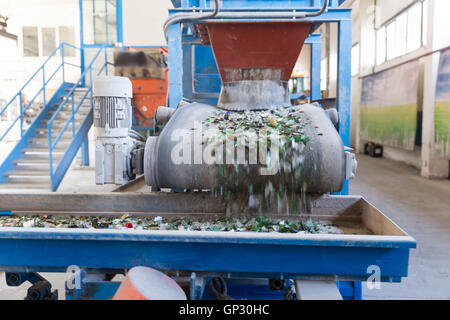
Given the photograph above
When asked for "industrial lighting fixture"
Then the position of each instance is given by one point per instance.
(3, 26)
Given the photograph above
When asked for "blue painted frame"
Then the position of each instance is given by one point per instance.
(345, 257)
(80, 136)
(15, 154)
(23, 143)
(119, 28)
(193, 73)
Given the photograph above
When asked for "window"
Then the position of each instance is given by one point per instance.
(30, 42)
(67, 35)
(355, 59)
(403, 34)
(401, 28)
(33, 46)
(381, 45)
(425, 23)
(414, 38)
(48, 41)
(391, 50)
(99, 21)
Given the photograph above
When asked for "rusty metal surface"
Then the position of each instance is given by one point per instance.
(114, 203)
(257, 45)
(340, 210)
(136, 185)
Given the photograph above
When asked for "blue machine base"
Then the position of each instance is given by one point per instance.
(238, 291)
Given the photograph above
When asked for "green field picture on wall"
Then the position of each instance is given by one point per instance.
(442, 108)
(389, 106)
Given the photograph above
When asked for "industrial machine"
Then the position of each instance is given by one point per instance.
(224, 63)
(147, 70)
(118, 148)
(3, 27)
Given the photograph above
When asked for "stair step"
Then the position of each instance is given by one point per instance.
(36, 150)
(68, 106)
(37, 157)
(78, 98)
(66, 135)
(85, 104)
(17, 185)
(27, 173)
(38, 166)
(43, 142)
(61, 121)
(28, 180)
(44, 131)
(66, 114)
(79, 89)
(68, 111)
(30, 161)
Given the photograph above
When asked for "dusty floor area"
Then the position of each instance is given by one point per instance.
(422, 208)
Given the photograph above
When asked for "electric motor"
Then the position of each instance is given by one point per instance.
(118, 149)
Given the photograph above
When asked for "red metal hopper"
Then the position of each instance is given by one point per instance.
(257, 45)
(255, 60)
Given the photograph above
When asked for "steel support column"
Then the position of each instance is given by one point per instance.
(344, 83)
(175, 46)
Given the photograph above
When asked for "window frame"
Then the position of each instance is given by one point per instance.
(37, 41)
(356, 68)
(424, 6)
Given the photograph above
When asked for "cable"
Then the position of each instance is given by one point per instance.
(321, 11)
(188, 17)
(183, 17)
(135, 135)
(218, 289)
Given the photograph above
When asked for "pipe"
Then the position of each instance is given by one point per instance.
(135, 135)
(321, 11)
(187, 17)
(163, 114)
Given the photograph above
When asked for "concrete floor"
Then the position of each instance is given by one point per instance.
(421, 207)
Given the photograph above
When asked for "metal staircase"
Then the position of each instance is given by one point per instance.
(45, 151)
(33, 166)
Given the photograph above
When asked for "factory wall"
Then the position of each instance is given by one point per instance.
(43, 17)
(142, 26)
(15, 68)
(413, 77)
(143, 22)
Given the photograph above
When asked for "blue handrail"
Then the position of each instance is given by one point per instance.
(70, 95)
(45, 81)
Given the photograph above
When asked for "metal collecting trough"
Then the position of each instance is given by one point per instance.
(373, 240)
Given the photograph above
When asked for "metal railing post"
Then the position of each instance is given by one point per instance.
(43, 85)
(62, 58)
(21, 114)
(50, 151)
(106, 61)
(90, 81)
(55, 177)
(73, 115)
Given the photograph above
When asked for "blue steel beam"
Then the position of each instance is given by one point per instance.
(344, 84)
(175, 62)
(267, 256)
(315, 41)
(255, 3)
(205, 86)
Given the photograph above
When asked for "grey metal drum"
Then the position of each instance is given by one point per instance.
(322, 168)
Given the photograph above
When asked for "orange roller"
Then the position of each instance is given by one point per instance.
(142, 283)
